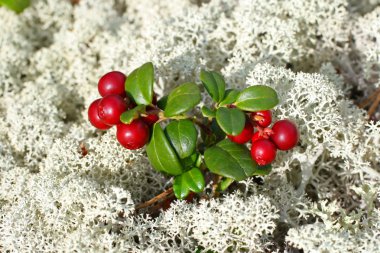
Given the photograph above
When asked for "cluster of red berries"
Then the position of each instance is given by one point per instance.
(105, 112)
(265, 141)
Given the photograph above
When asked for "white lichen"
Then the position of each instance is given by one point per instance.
(320, 197)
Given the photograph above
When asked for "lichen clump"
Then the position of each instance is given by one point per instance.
(321, 197)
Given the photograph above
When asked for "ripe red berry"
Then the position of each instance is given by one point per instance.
(150, 119)
(263, 151)
(110, 108)
(262, 118)
(112, 83)
(93, 116)
(285, 134)
(244, 136)
(258, 136)
(134, 135)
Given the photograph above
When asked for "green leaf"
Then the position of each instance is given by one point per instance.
(15, 5)
(161, 154)
(180, 187)
(183, 136)
(231, 120)
(139, 84)
(214, 84)
(225, 183)
(190, 161)
(191, 180)
(263, 170)
(207, 112)
(162, 102)
(257, 98)
(128, 116)
(231, 160)
(182, 99)
(230, 97)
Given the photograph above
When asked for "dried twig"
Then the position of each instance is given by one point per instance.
(159, 198)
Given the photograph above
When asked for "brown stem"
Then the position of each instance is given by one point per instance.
(374, 105)
(160, 197)
(369, 99)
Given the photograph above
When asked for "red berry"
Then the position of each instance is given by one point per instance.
(258, 136)
(134, 135)
(93, 116)
(112, 83)
(150, 119)
(285, 134)
(262, 118)
(244, 136)
(110, 108)
(263, 151)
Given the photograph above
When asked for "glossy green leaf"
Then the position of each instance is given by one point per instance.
(161, 154)
(207, 112)
(182, 99)
(225, 183)
(214, 84)
(191, 180)
(139, 84)
(231, 160)
(15, 5)
(190, 161)
(230, 97)
(263, 170)
(161, 103)
(180, 188)
(230, 120)
(183, 136)
(128, 116)
(257, 98)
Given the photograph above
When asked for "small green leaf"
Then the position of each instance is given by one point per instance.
(195, 180)
(182, 99)
(139, 84)
(128, 116)
(15, 5)
(214, 84)
(225, 183)
(263, 170)
(180, 188)
(190, 161)
(230, 160)
(257, 98)
(161, 154)
(230, 97)
(162, 102)
(191, 180)
(207, 112)
(183, 136)
(231, 120)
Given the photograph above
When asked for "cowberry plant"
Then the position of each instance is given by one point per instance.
(194, 144)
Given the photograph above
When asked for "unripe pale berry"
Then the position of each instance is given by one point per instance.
(134, 135)
(94, 118)
(244, 136)
(262, 118)
(112, 83)
(263, 151)
(110, 108)
(285, 134)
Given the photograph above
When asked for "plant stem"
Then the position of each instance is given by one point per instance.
(160, 197)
